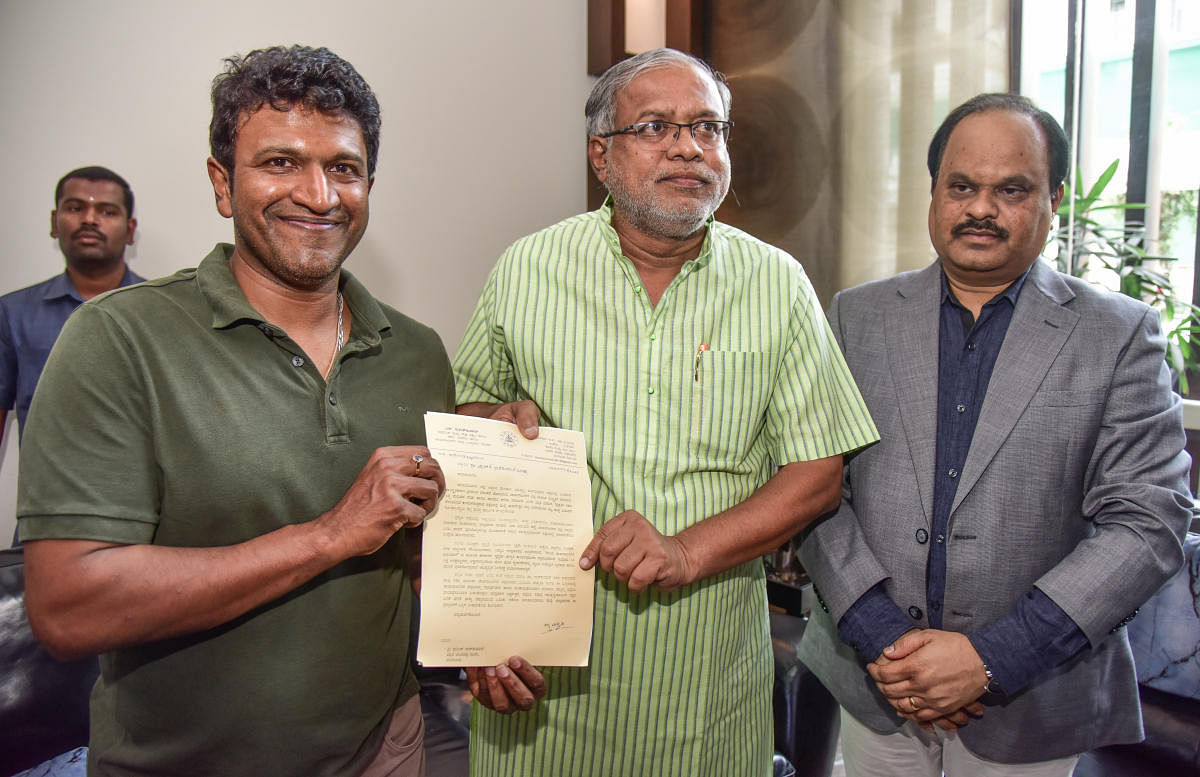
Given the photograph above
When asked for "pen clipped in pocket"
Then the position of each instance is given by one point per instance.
(728, 399)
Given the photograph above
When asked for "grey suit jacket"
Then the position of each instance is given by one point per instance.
(1076, 482)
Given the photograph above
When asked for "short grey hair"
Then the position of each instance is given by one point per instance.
(601, 108)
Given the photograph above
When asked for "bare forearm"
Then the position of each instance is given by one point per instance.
(86, 597)
(794, 497)
(124, 595)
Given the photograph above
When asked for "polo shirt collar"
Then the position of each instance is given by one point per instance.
(611, 237)
(60, 286)
(230, 306)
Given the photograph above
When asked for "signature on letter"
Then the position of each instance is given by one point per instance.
(555, 626)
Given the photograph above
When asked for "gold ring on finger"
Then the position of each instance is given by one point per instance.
(913, 703)
(417, 459)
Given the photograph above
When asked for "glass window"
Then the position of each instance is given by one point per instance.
(1094, 100)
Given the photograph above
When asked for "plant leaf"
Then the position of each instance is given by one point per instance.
(1101, 182)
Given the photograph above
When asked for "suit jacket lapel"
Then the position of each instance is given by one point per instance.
(911, 340)
(1039, 328)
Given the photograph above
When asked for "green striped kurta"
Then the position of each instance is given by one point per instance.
(678, 683)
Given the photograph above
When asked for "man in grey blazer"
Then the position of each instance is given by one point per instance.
(1029, 492)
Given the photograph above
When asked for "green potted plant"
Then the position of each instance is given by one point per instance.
(1099, 242)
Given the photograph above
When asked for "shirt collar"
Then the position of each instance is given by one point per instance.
(614, 241)
(1010, 293)
(61, 286)
(230, 306)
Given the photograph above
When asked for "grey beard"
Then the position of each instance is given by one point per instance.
(657, 222)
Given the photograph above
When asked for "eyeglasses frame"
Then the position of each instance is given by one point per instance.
(632, 129)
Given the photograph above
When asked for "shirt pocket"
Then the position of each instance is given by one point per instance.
(1072, 411)
(728, 400)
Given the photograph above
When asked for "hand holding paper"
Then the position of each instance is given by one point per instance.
(389, 494)
(511, 686)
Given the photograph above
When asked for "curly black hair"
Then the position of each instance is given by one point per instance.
(283, 77)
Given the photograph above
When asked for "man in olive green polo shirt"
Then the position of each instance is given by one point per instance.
(218, 464)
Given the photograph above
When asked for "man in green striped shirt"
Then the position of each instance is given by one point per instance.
(716, 409)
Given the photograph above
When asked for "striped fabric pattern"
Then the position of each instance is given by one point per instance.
(686, 407)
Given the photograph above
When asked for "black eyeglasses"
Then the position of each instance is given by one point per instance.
(708, 133)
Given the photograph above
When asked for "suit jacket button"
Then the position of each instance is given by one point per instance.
(922, 536)
(915, 613)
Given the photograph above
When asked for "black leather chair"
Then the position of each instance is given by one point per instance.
(1165, 638)
(1171, 747)
(806, 715)
(43, 701)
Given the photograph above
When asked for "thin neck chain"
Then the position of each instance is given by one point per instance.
(337, 348)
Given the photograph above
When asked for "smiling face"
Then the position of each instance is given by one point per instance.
(664, 192)
(90, 223)
(992, 206)
(299, 193)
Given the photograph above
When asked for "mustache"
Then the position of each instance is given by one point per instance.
(694, 172)
(334, 215)
(980, 225)
(87, 231)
